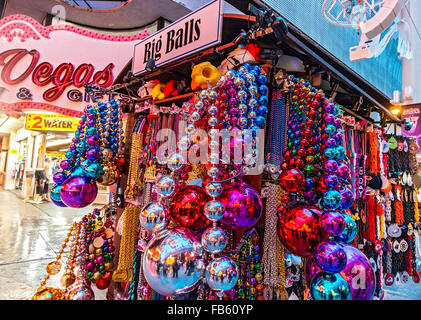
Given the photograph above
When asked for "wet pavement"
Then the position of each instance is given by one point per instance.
(31, 237)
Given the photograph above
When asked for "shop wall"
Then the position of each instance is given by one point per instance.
(411, 69)
(384, 72)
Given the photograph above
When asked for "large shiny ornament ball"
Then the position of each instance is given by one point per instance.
(214, 240)
(333, 223)
(55, 196)
(154, 217)
(59, 177)
(299, 229)
(351, 229)
(348, 198)
(359, 274)
(80, 291)
(292, 180)
(165, 186)
(243, 206)
(175, 161)
(187, 208)
(330, 286)
(171, 262)
(214, 210)
(332, 199)
(222, 274)
(78, 192)
(330, 257)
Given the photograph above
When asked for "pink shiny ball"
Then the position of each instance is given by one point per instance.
(243, 206)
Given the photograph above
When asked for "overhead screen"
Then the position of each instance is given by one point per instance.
(383, 72)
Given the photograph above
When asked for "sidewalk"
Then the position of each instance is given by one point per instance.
(32, 235)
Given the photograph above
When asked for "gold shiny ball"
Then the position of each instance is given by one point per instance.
(91, 256)
(109, 266)
(49, 293)
(97, 275)
(68, 279)
(53, 267)
(258, 277)
(98, 251)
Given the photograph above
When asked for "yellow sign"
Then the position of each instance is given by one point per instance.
(51, 122)
(55, 154)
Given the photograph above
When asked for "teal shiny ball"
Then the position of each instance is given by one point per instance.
(329, 153)
(330, 129)
(340, 153)
(330, 286)
(78, 171)
(94, 170)
(350, 231)
(332, 199)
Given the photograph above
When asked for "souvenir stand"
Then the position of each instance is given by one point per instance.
(319, 206)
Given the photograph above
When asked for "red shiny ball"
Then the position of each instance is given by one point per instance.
(292, 180)
(102, 283)
(187, 207)
(299, 229)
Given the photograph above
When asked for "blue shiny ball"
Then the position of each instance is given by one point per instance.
(330, 286)
(259, 121)
(263, 100)
(262, 79)
(262, 111)
(263, 90)
(91, 131)
(257, 69)
(69, 155)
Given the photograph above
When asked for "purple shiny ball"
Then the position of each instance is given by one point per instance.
(58, 203)
(347, 198)
(337, 123)
(331, 181)
(92, 141)
(78, 191)
(330, 166)
(338, 137)
(243, 206)
(343, 171)
(92, 154)
(333, 222)
(329, 107)
(59, 177)
(330, 143)
(330, 257)
(66, 164)
(359, 274)
(330, 118)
